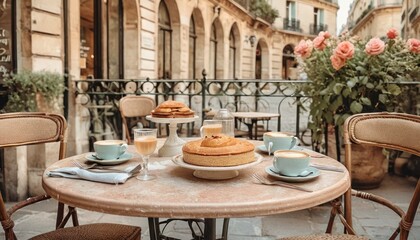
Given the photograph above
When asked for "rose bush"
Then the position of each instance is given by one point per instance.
(349, 75)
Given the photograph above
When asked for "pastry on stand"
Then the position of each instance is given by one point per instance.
(173, 144)
(172, 112)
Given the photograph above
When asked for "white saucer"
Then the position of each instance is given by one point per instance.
(123, 158)
(215, 173)
(269, 170)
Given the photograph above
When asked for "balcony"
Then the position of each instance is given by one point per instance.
(291, 24)
(314, 29)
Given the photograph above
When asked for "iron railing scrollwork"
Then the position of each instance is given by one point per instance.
(101, 97)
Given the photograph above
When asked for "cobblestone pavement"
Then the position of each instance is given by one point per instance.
(369, 219)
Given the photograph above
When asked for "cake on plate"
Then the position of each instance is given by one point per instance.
(218, 151)
(172, 109)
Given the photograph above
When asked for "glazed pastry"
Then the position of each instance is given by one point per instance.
(172, 109)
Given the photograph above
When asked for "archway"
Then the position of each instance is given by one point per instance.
(289, 66)
(216, 64)
(196, 45)
(234, 52)
(262, 60)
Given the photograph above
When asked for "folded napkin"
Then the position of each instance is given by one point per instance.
(78, 173)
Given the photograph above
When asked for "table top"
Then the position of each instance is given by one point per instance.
(176, 193)
(254, 115)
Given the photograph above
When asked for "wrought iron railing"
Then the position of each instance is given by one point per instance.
(101, 97)
(291, 24)
(314, 29)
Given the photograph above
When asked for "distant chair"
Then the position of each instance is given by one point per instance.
(21, 129)
(133, 110)
(395, 131)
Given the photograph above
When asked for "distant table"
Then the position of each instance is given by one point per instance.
(176, 193)
(254, 117)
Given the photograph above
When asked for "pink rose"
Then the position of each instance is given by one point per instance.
(324, 34)
(304, 48)
(344, 50)
(375, 46)
(337, 62)
(413, 45)
(392, 33)
(320, 43)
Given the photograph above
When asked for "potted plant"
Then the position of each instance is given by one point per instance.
(34, 91)
(349, 75)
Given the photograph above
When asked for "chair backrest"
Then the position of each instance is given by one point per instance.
(20, 129)
(396, 131)
(134, 107)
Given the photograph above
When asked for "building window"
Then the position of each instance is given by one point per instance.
(291, 10)
(213, 53)
(164, 42)
(193, 50)
(232, 55)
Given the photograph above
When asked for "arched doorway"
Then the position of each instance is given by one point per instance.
(234, 53)
(216, 62)
(261, 60)
(196, 45)
(169, 57)
(289, 63)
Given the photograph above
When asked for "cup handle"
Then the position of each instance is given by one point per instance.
(201, 132)
(270, 146)
(294, 143)
(123, 148)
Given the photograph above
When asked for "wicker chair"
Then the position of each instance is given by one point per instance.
(396, 131)
(133, 109)
(20, 129)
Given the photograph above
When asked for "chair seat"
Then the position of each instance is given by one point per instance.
(95, 231)
(326, 237)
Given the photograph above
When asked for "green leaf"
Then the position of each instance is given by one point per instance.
(383, 98)
(366, 101)
(346, 92)
(337, 88)
(356, 107)
(351, 83)
(370, 85)
(394, 89)
(364, 80)
(361, 69)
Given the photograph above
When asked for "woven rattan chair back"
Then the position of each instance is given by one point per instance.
(21, 129)
(134, 107)
(395, 131)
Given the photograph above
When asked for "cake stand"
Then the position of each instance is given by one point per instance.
(173, 144)
(215, 173)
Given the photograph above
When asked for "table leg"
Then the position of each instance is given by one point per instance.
(254, 123)
(154, 228)
(209, 229)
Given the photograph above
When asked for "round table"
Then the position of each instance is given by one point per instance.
(254, 118)
(176, 193)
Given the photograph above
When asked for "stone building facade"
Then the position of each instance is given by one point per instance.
(410, 19)
(368, 18)
(136, 39)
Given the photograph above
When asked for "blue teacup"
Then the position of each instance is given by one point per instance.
(291, 162)
(274, 141)
(109, 149)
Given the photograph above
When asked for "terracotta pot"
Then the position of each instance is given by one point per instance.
(369, 164)
(369, 167)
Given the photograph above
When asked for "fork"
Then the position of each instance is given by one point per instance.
(94, 166)
(266, 181)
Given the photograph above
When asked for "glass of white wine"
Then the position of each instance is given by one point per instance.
(145, 140)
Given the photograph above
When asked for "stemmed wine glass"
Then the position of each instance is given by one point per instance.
(145, 140)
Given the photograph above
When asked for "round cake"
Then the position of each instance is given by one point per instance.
(218, 151)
